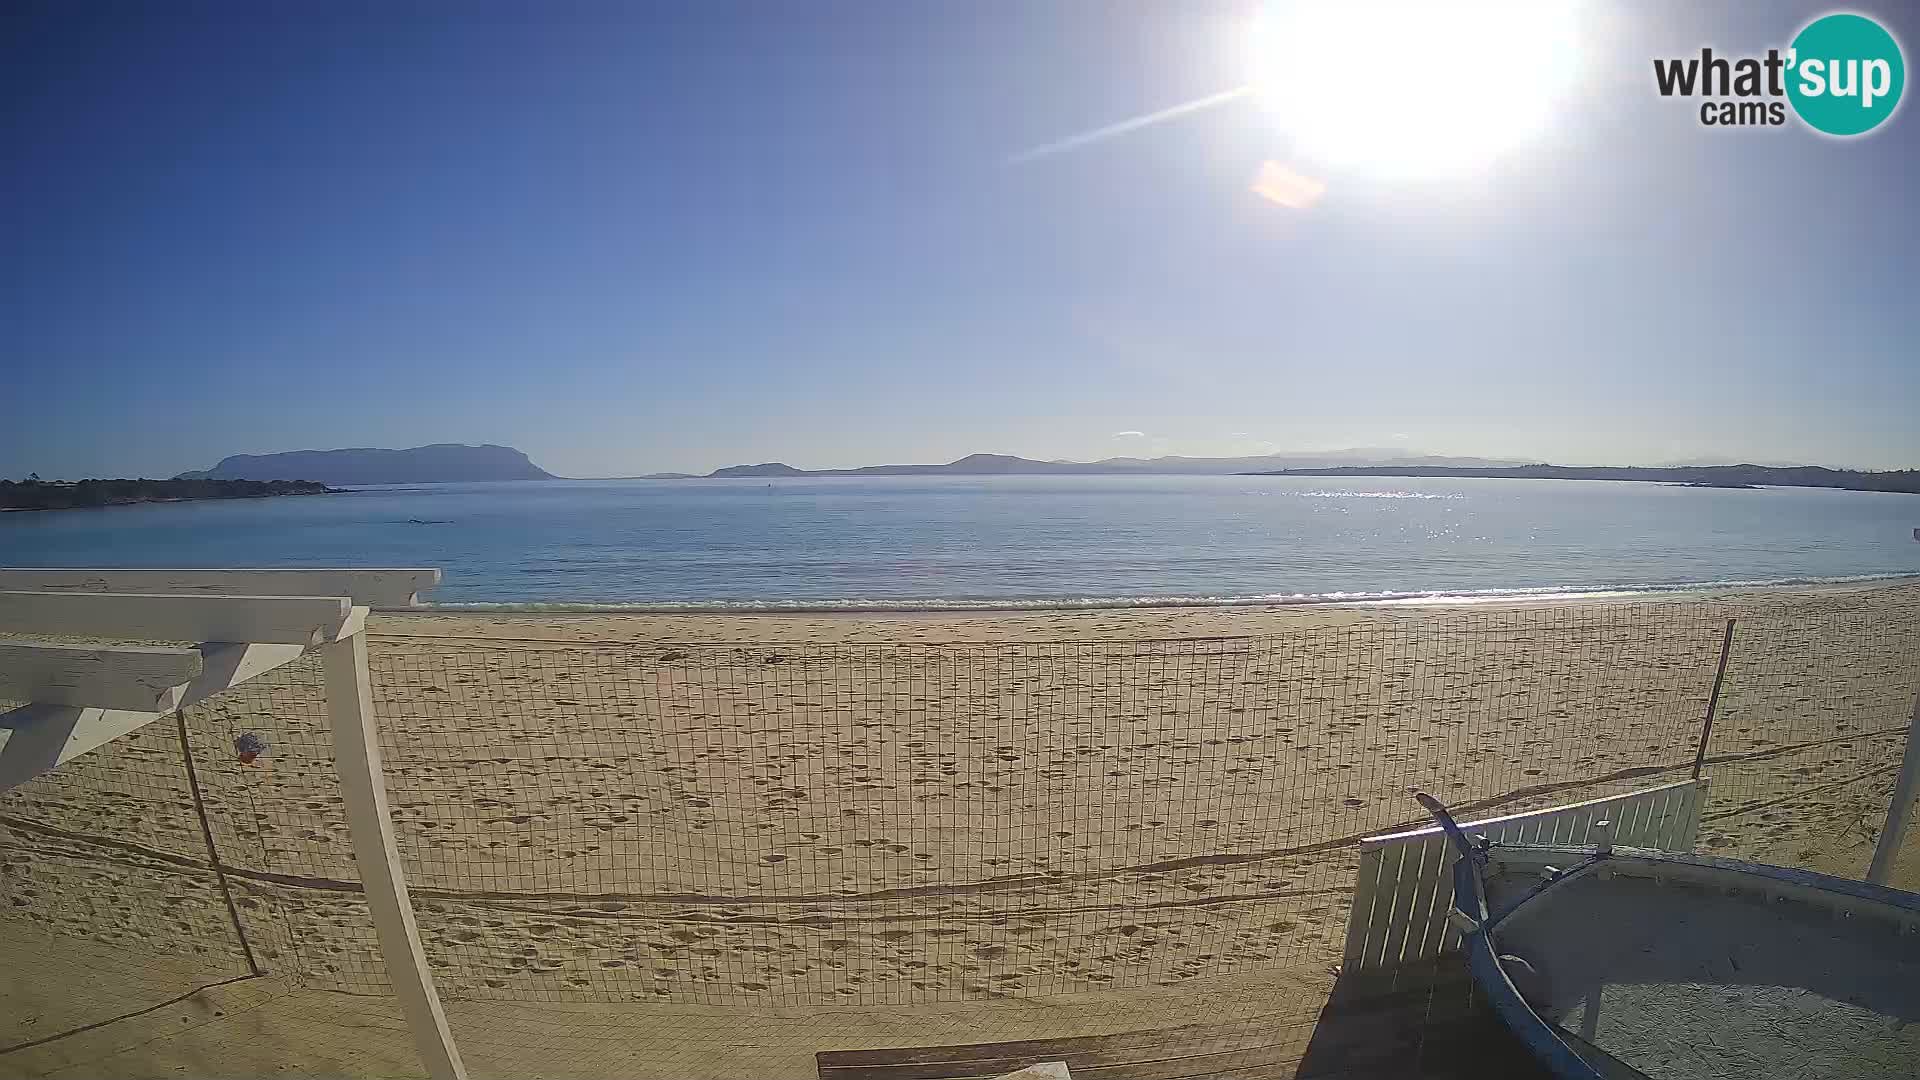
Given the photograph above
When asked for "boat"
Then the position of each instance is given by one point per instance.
(1611, 963)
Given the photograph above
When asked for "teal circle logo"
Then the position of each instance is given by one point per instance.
(1845, 74)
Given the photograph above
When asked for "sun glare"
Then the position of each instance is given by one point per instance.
(1413, 89)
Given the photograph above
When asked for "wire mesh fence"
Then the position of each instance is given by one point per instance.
(802, 824)
(896, 823)
(1811, 726)
(108, 903)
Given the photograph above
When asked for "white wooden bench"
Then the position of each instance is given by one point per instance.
(1405, 886)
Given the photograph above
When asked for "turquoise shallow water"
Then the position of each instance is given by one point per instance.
(998, 541)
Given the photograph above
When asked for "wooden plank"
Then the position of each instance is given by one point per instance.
(1630, 825)
(1433, 898)
(292, 620)
(1485, 824)
(1404, 891)
(1579, 826)
(1380, 912)
(1360, 916)
(368, 588)
(1524, 830)
(1666, 814)
(1610, 813)
(1689, 828)
(1406, 871)
(137, 677)
(1574, 827)
(35, 738)
(356, 745)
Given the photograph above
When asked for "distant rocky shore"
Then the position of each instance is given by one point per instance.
(73, 495)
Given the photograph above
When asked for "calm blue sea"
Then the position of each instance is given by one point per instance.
(965, 541)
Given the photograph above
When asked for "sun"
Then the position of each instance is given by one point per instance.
(1413, 89)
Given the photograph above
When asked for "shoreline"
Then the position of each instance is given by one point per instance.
(1031, 625)
(1467, 598)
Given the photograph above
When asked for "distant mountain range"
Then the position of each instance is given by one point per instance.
(1728, 476)
(1005, 464)
(446, 463)
(441, 463)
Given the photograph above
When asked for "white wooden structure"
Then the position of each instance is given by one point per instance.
(80, 696)
(1405, 888)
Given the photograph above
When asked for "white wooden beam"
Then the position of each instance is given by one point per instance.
(138, 677)
(286, 620)
(1488, 823)
(35, 738)
(371, 588)
(356, 755)
(1906, 788)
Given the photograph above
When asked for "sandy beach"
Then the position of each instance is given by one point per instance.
(829, 824)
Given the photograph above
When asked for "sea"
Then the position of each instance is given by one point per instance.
(954, 542)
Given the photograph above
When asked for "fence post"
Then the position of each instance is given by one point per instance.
(1713, 700)
(356, 744)
(213, 852)
(1905, 790)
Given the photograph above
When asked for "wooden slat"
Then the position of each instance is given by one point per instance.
(1433, 897)
(35, 738)
(1405, 888)
(1486, 825)
(1632, 827)
(372, 588)
(1380, 919)
(1399, 902)
(1661, 819)
(139, 677)
(1576, 827)
(1689, 827)
(290, 620)
(1366, 884)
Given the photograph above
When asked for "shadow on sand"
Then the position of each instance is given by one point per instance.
(1426, 1021)
(1408, 1024)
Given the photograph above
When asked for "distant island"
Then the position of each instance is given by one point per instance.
(441, 463)
(1718, 476)
(65, 495)
(1006, 464)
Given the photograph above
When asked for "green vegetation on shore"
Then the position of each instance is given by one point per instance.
(36, 494)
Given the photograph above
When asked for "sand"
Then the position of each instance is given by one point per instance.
(776, 834)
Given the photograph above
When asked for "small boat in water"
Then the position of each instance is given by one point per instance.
(1613, 963)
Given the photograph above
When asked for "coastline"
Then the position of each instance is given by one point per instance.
(1002, 605)
(35, 496)
(929, 625)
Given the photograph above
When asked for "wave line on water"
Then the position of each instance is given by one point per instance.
(1095, 603)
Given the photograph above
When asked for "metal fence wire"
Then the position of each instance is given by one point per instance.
(801, 824)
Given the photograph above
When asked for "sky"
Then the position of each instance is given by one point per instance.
(639, 237)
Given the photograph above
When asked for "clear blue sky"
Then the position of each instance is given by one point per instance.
(639, 237)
